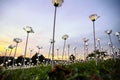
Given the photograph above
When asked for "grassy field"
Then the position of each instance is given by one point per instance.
(105, 70)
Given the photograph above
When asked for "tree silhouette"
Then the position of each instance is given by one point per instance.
(100, 55)
(19, 60)
(41, 58)
(34, 57)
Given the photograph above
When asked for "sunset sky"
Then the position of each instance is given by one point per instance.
(72, 19)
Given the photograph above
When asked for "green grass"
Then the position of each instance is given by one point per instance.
(105, 70)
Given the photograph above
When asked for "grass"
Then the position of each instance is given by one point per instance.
(105, 70)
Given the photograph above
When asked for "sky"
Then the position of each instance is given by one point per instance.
(72, 19)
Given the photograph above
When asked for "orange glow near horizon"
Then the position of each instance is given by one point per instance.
(4, 44)
(20, 50)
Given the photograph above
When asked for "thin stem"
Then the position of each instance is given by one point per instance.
(63, 49)
(49, 50)
(94, 35)
(5, 56)
(9, 56)
(14, 55)
(111, 45)
(84, 50)
(99, 45)
(68, 53)
(57, 53)
(94, 40)
(53, 36)
(25, 49)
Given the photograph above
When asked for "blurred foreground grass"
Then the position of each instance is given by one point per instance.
(105, 70)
